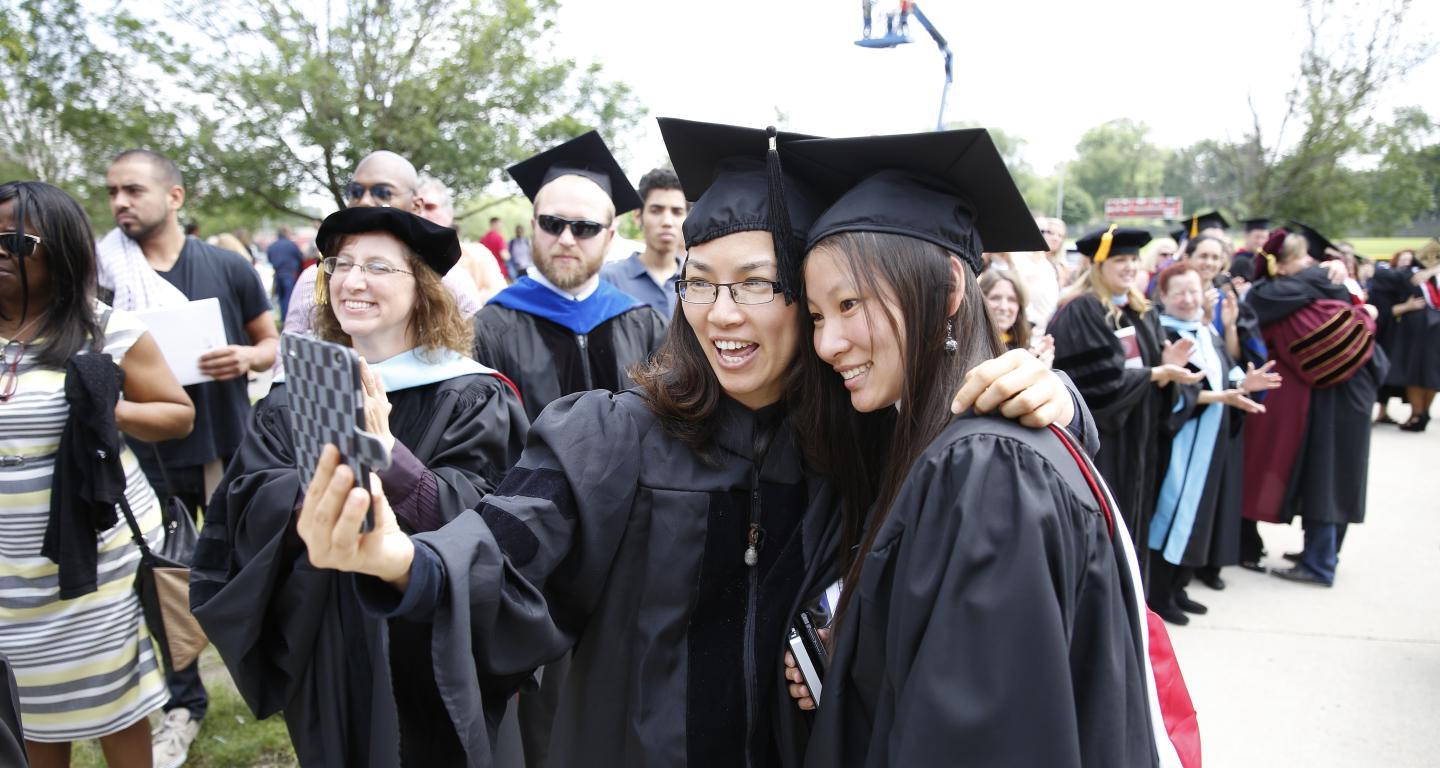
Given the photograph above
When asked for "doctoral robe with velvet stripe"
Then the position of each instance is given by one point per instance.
(637, 544)
(354, 691)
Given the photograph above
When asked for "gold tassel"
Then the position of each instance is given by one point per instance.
(1103, 252)
(322, 287)
(1194, 226)
(1270, 264)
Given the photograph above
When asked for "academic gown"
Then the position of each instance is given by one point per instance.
(1391, 287)
(994, 623)
(1417, 342)
(551, 346)
(354, 691)
(1129, 410)
(1326, 481)
(638, 545)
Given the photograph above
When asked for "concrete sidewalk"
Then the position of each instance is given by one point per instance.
(1288, 674)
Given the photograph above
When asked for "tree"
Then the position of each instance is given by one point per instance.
(285, 101)
(67, 105)
(1116, 159)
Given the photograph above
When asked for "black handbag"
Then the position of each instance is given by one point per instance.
(177, 520)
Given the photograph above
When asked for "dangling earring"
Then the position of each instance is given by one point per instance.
(951, 345)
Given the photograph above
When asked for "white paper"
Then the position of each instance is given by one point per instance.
(184, 333)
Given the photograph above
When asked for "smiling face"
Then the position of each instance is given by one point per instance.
(1117, 273)
(1004, 305)
(749, 346)
(1208, 258)
(374, 310)
(857, 335)
(1183, 296)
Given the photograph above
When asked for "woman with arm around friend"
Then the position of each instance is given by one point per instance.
(69, 617)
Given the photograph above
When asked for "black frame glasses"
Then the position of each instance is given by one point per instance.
(333, 264)
(18, 244)
(382, 192)
(748, 292)
(583, 229)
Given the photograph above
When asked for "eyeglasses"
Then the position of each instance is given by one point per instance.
(342, 267)
(744, 292)
(381, 192)
(14, 351)
(583, 229)
(18, 245)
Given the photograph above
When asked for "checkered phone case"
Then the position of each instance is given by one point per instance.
(327, 406)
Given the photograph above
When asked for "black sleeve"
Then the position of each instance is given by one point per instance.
(1010, 631)
(1086, 349)
(12, 736)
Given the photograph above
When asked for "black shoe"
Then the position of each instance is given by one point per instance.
(1171, 614)
(1211, 580)
(1416, 423)
(1385, 419)
(1303, 575)
(1187, 605)
(1252, 565)
(1294, 557)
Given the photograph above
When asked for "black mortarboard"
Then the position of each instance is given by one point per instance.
(1252, 225)
(1123, 242)
(1180, 235)
(1315, 243)
(950, 188)
(735, 184)
(437, 246)
(1199, 222)
(585, 155)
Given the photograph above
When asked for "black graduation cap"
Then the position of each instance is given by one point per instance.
(1199, 222)
(1180, 235)
(585, 155)
(950, 188)
(1123, 242)
(726, 172)
(1252, 225)
(1315, 243)
(437, 246)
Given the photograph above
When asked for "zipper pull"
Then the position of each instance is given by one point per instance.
(755, 538)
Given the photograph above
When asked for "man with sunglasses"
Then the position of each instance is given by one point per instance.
(561, 329)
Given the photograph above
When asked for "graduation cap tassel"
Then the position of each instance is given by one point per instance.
(1103, 251)
(780, 232)
(1194, 226)
(322, 287)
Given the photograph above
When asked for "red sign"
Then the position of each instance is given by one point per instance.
(1144, 208)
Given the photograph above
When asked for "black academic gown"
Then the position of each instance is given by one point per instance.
(547, 360)
(994, 623)
(638, 546)
(12, 736)
(1129, 410)
(1327, 484)
(1395, 335)
(295, 639)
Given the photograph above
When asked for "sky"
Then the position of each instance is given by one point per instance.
(1046, 72)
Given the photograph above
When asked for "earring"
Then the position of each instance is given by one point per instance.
(951, 345)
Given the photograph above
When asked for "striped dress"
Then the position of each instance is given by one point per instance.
(85, 667)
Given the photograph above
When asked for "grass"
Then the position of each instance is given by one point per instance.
(1385, 247)
(230, 737)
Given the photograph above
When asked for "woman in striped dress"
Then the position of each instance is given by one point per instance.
(85, 664)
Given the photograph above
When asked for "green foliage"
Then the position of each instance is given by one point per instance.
(287, 101)
(1117, 159)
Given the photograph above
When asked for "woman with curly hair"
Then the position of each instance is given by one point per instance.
(294, 637)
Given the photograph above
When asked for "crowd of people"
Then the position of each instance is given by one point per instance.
(615, 485)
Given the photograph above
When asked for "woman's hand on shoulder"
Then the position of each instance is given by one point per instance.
(1020, 387)
(330, 520)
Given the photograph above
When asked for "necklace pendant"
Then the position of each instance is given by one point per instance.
(752, 555)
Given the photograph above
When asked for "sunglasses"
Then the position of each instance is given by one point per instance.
(583, 229)
(381, 192)
(19, 245)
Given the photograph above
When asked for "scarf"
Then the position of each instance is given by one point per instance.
(121, 268)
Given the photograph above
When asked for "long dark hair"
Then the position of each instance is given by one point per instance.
(68, 247)
(1020, 331)
(853, 449)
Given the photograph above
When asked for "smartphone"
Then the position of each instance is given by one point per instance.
(809, 652)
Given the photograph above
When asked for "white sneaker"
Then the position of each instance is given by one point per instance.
(170, 742)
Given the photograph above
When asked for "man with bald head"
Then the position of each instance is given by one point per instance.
(561, 329)
(382, 179)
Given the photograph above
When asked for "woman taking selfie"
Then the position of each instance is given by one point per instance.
(70, 622)
(989, 614)
(354, 690)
